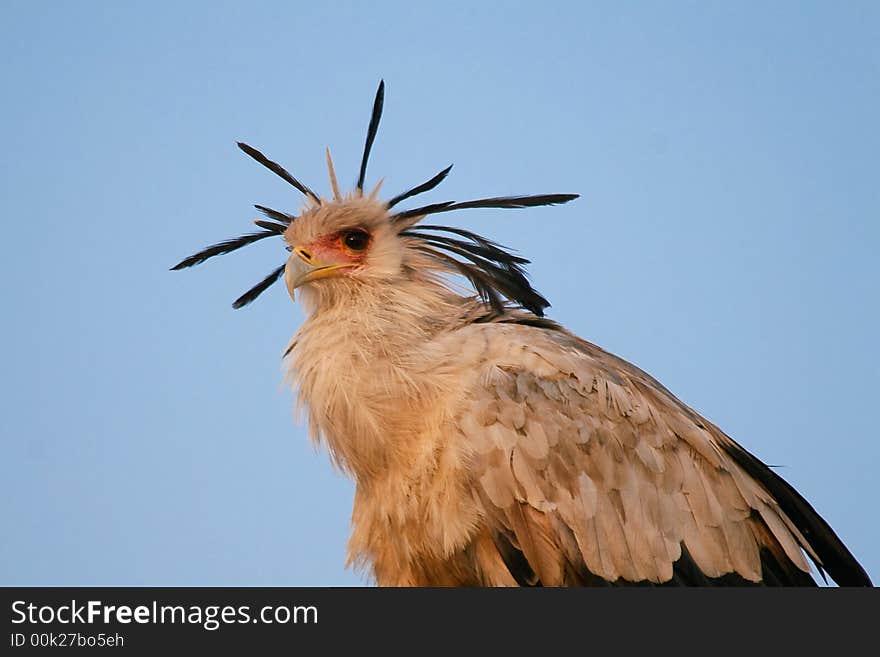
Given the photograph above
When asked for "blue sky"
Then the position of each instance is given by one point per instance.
(725, 241)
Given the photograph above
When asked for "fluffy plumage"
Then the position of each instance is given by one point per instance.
(489, 445)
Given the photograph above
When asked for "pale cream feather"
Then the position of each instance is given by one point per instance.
(459, 434)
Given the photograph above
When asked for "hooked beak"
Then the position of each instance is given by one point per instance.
(302, 268)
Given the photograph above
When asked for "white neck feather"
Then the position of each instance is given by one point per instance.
(363, 369)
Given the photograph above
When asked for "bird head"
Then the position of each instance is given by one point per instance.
(339, 245)
(345, 241)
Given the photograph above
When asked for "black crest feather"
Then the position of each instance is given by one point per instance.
(258, 289)
(227, 246)
(276, 215)
(375, 117)
(277, 169)
(493, 271)
(496, 202)
(421, 189)
(278, 229)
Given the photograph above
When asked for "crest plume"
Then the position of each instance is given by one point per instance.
(494, 273)
(332, 172)
(371, 132)
(279, 170)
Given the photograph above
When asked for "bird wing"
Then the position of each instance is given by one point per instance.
(588, 471)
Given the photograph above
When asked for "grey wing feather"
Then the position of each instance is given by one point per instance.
(588, 470)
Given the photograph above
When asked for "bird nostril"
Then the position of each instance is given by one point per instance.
(304, 254)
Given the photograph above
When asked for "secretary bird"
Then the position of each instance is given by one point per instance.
(489, 445)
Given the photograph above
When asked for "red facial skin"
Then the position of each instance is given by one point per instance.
(331, 249)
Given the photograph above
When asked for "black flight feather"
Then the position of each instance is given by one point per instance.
(835, 558)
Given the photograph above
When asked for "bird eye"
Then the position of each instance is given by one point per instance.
(356, 240)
